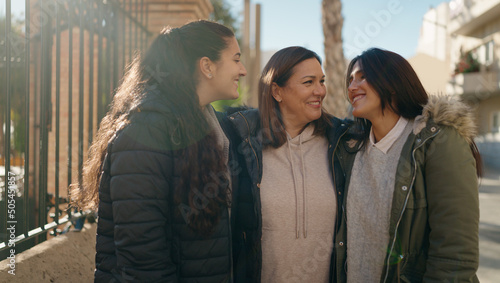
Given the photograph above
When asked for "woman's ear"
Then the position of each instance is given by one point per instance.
(276, 91)
(207, 68)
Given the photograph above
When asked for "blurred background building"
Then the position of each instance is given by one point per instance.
(458, 54)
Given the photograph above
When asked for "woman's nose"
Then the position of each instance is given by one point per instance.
(352, 86)
(243, 71)
(320, 90)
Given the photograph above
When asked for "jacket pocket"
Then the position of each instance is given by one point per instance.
(410, 269)
(405, 278)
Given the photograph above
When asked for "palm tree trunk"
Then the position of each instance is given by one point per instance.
(334, 62)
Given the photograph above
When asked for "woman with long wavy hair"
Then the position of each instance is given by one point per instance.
(158, 169)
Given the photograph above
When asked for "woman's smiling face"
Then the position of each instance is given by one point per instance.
(302, 96)
(365, 100)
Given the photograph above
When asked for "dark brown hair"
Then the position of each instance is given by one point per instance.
(169, 67)
(393, 79)
(398, 86)
(278, 70)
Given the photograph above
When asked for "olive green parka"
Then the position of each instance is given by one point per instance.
(434, 217)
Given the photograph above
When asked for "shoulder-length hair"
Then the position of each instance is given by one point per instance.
(398, 86)
(394, 81)
(169, 67)
(278, 70)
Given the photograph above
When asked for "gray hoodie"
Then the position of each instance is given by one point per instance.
(298, 210)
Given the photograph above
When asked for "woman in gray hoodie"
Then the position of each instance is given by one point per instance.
(285, 206)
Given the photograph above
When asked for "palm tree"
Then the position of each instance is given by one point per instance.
(334, 64)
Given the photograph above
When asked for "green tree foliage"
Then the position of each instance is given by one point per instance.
(222, 15)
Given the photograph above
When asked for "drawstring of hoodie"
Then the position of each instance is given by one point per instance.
(304, 191)
(294, 187)
(304, 183)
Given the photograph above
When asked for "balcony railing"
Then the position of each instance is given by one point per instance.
(474, 86)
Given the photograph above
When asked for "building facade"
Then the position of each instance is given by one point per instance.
(459, 54)
(474, 28)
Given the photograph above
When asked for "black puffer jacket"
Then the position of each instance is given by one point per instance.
(247, 229)
(140, 235)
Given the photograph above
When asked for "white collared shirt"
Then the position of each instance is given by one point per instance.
(386, 142)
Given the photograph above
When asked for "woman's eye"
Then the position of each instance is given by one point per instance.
(308, 82)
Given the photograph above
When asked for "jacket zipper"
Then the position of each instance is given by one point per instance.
(406, 201)
(249, 142)
(399, 272)
(333, 173)
(336, 190)
(256, 160)
(230, 247)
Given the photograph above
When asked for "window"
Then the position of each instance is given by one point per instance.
(495, 125)
(489, 52)
(484, 53)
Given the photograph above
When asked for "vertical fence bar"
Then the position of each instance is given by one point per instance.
(90, 21)
(58, 112)
(36, 121)
(122, 44)
(70, 99)
(80, 90)
(70, 89)
(100, 75)
(45, 113)
(147, 23)
(7, 85)
(136, 26)
(41, 124)
(129, 31)
(27, 131)
(111, 42)
(124, 47)
(141, 45)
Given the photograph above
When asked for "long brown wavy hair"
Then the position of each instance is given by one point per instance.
(169, 68)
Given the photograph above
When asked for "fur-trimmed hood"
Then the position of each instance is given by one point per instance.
(448, 111)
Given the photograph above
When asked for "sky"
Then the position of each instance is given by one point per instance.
(389, 24)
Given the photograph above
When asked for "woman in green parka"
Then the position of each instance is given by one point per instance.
(410, 209)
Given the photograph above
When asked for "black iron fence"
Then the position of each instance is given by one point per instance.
(60, 61)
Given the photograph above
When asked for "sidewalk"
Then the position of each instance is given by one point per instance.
(489, 227)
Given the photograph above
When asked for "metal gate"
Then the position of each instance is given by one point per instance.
(60, 61)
